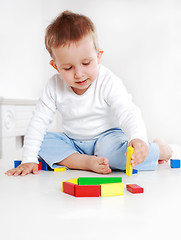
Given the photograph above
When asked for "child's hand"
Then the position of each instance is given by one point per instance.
(23, 169)
(141, 151)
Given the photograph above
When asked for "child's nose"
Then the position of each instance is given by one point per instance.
(78, 73)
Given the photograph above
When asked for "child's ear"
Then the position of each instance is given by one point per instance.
(99, 54)
(53, 64)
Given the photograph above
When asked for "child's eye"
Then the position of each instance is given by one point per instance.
(86, 63)
(66, 69)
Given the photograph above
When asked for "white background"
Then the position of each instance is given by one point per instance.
(141, 41)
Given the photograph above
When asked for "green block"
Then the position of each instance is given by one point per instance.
(98, 180)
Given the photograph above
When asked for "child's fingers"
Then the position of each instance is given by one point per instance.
(35, 169)
(25, 172)
(18, 171)
(132, 163)
(23, 169)
(138, 156)
(10, 172)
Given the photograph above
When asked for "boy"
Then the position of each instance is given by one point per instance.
(99, 119)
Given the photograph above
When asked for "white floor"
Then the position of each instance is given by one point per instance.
(34, 207)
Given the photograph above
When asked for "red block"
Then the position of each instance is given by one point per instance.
(40, 166)
(69, 188)
(134, 188)
(87, 190)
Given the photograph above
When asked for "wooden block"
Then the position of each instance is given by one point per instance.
(39, 166)
(134, 188)
(129, 168)
(87, 190)
(69, 188)
(98, 180)
(135, 171)
(44, 165)
(112, 189)
(16, 163)
(61, 169)
(174, 163)
(73, 180)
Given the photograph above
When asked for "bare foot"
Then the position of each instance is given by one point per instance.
(99, 165)
(165, 151)
(87, 162)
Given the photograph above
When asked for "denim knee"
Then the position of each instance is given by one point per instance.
(113, 146)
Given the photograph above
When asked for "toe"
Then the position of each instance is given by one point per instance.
(103, 161)
(105, 169)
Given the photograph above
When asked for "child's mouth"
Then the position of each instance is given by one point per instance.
(82, 82)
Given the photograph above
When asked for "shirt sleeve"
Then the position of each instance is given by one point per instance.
(126, 112)
(41, 119)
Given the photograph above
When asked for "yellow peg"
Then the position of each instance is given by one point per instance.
(61, 169)
(129, 168)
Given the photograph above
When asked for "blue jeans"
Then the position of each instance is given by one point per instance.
(111, 144)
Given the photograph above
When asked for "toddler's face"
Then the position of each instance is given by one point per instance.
(77, 63)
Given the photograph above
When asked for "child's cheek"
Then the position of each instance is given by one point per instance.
(94, 74)
(92, 71)
(67, 77)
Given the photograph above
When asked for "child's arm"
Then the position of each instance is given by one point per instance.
(141, 151)
(123, 109)
(129, 118)
(41, 119)
(23, 169)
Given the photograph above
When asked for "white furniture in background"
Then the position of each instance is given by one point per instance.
(15, 115)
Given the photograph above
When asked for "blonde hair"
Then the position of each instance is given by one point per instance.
(69, 27)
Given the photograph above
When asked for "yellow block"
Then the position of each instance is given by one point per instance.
(61, 169)
(112, 189)
(129, 168)
(73, 180)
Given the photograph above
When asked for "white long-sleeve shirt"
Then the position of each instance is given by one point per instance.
(105, 105)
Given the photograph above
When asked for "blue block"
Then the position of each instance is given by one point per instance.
(135, 171)
(174, 163)
(16, 163)
(44, 164)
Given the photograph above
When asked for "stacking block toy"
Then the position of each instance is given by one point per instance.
(16, 163)
(129, 168)
(68, 188)
(40, 166)
(44, 165)
(93, 187)
(112, 189)
(174, 163)
(73, 180)
(135, 171)
(61, 169)
(134, 188)
(81, 190)
(98, 180)
(87, 190)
